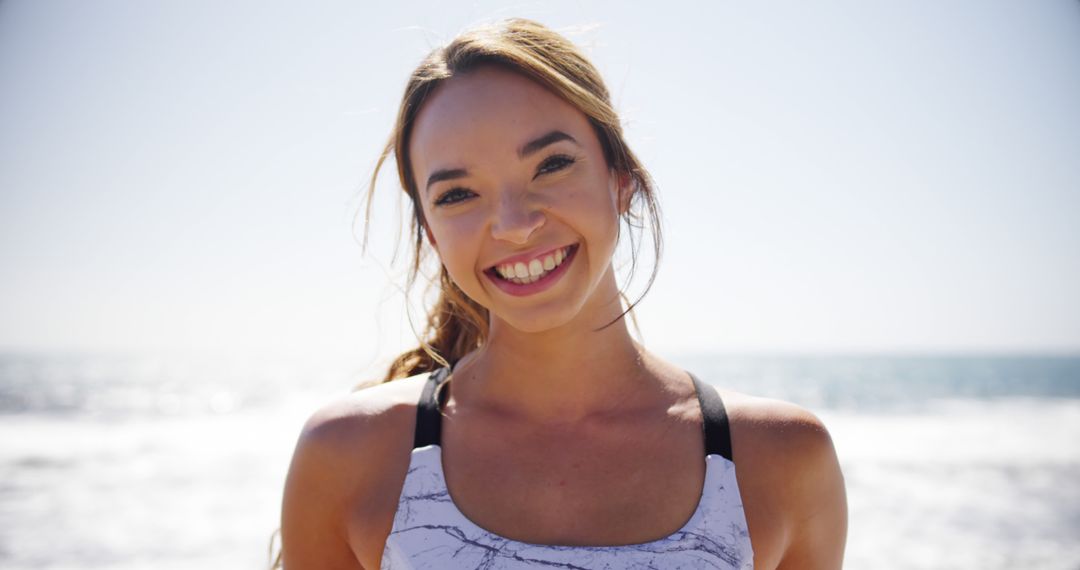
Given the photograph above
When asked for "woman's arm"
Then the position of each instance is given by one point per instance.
(313, 516)
(817, 500)
(346, 474)
(790, 480)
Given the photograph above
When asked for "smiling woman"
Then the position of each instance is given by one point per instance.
(529, 429)
(537, 193)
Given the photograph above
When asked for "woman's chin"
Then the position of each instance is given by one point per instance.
(527, 324)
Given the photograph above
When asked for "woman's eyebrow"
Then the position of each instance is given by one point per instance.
(539, 143)
(445, 174)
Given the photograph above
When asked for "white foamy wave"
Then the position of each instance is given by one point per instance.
(171, 493)
(970, 484)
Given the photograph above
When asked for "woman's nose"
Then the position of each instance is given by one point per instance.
(516, 219)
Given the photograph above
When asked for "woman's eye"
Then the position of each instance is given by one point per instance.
(554, 164)
(453, 196)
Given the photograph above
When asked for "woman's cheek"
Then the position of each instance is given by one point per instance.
(459, 239)
(457, 227)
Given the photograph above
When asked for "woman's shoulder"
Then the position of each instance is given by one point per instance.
(355, 434)
(370, 413)
(777, 439)
(776, 425)
(786, 463)
(347, 469)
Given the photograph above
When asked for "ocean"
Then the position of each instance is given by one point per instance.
(125, 461)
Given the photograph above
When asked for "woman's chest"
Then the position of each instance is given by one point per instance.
(592, 488)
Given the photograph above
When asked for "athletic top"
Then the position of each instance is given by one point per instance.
(430, 532)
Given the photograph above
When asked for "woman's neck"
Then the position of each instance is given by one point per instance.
(560, 375)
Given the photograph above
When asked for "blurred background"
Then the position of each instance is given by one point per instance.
(870, 210)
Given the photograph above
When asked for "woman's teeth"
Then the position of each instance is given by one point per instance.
(523, 274)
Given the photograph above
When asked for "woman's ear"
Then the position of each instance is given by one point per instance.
(626, 190)
(431, 237)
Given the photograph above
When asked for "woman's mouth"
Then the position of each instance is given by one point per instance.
(532, 276)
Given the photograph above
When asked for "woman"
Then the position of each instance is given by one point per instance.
(530, 429)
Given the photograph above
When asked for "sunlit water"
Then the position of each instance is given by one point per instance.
(140, 462)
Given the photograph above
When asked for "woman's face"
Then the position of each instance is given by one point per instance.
(519, 200)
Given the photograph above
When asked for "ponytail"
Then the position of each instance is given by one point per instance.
(456, 326)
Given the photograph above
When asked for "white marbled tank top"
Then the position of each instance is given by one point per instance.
(431, 533)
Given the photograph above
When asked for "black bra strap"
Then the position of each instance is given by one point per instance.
(428, 410)
(714, 416)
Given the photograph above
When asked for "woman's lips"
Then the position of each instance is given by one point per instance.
(542, 282)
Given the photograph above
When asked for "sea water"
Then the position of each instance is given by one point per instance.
(137, 461)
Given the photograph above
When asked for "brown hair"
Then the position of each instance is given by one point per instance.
(456, 324)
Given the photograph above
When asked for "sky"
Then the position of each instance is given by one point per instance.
(835, 176)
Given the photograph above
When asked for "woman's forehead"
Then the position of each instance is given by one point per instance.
(489, 110)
